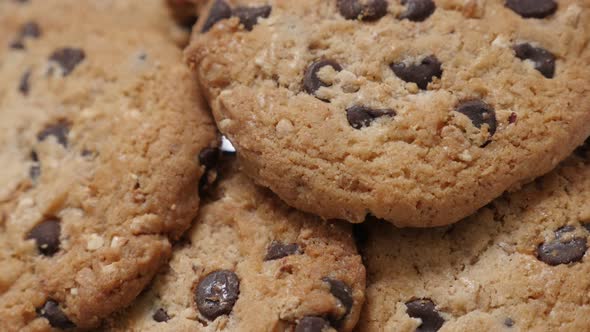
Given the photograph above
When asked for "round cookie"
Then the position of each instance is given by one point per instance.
(417, 112)
(251, 263)
(520, 264)
(101, 129)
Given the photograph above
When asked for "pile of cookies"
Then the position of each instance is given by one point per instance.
(397, 165)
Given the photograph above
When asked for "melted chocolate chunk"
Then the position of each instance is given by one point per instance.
(562, 250)
(160, 316)
(67, 58)
(417, 10)
(249, 15)
(425, 310)
(278, 250)
(365, 10)
(362, 116)
(311, 81)
(311, 324)
(532, 8)
(46, 235)
(479, 113)
(56, 317)
(421, 73)
(59, 130)
(217, 293)
(24, 86)
(544, 60)
(343, 293)
(219, 11)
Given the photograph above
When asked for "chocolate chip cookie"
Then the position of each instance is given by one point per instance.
(101, 130)
(415, 111)
(251, 263)
(520, 264)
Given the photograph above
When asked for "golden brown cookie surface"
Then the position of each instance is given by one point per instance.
(418, 112)
(101, 127)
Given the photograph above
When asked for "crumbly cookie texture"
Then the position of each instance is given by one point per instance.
(418, 112)
(520, 264)
(251, 263)
(101, 129)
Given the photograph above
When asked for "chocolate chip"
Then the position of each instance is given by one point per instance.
(311, 324)
(219, 11)
(311, 81)
(56, 317)
(425, 310)
(30, 29)
(35, 170)
(17, 44)
(87, 153)
(417, 10)
(586, 226)
(46, 235)
(479, 113)
(161, 316)
(343, 293)
(209, 157)
(217, 293)
(512, 118)
(59, 130)
(249, 15)
(278, 250)
(361, 116)
(365, 10)
(24, 86)
(508, 322)
(562, 250)
(67, 58)
(421, 73)
(532, 8)
(544, 60)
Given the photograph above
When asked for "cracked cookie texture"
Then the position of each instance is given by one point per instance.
(101, 128)
(251, 263)
(520, 264)
(417, 111)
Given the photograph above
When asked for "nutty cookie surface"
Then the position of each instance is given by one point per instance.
(100, 128)
(520, 264)
(251, 263)
(416, 111)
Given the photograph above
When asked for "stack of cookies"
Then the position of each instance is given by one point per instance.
(397, 165)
